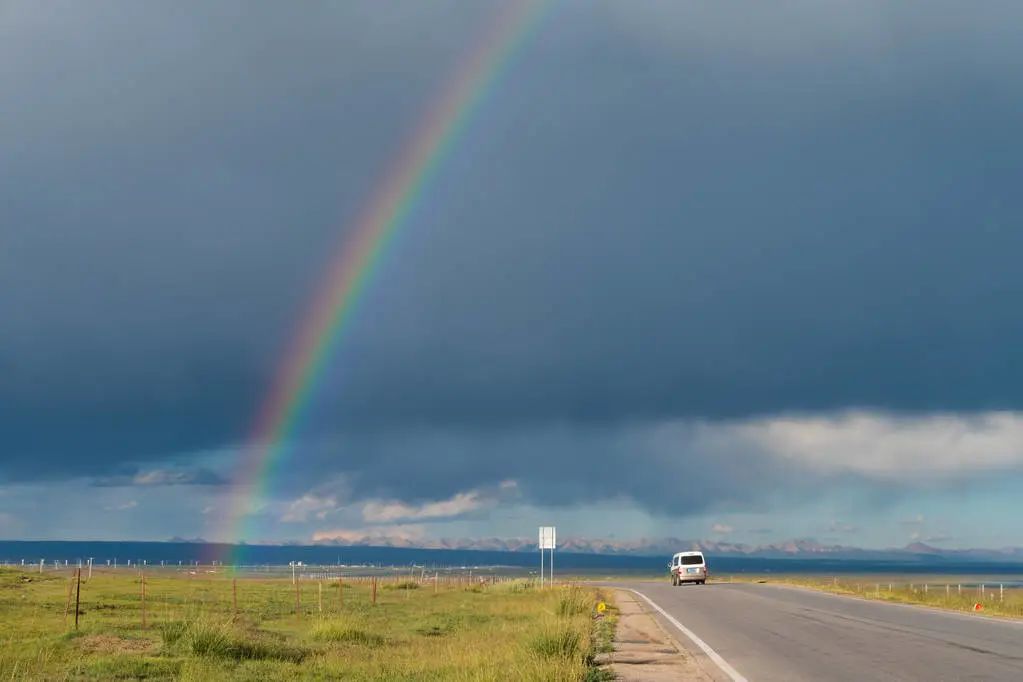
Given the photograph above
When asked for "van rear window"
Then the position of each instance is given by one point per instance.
(692, 560)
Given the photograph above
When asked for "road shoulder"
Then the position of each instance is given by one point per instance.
(643, 650)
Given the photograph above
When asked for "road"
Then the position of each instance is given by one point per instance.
(772, 632)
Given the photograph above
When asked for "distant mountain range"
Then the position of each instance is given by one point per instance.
(799, 548)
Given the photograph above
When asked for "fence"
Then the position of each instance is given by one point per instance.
(145, 598)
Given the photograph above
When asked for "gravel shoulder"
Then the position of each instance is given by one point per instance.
(643, 650)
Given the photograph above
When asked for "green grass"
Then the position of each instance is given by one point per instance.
(504, 631)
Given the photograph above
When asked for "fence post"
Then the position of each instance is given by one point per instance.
(298, 602)
(340, 594)
(234, 596)
(436, 578)
(374, 590)
(143, 600)
(319, 587)
(67, 604)
(78, 594)
(1001, 591)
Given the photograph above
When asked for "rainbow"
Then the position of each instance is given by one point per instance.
(359, 255)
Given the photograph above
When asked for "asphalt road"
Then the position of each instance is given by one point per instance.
(769, 632)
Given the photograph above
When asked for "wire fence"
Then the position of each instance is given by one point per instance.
(144, 597)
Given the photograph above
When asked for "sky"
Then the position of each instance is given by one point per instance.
(734, 271)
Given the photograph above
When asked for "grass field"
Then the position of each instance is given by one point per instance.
(504, 631)
(937, 591)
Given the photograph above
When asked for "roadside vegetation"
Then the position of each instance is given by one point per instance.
(194, 631)
(936, 591)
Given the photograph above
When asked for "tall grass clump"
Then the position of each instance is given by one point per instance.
(556, 642)
(219, 640)
(574, 603)
(341, 631)
(172, 632)
(206, 638)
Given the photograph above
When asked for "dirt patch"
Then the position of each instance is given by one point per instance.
(110, 644)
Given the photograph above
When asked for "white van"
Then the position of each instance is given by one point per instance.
(688, 567)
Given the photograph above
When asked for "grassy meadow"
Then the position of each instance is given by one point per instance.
(193, 630)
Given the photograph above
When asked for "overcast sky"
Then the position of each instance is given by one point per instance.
(746, 271)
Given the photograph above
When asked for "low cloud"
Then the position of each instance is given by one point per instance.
(162, 477)
(392, 536)
(721, 529)
(908, 450)
(309, 506)
(125, 506)
(389, 512)
(458, 504)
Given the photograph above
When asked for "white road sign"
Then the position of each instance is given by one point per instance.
(547, 537)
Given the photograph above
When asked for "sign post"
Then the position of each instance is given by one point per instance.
(548, 539)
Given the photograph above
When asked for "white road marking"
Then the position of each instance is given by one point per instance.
(713, 655)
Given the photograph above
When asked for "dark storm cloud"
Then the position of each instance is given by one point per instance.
(559, 466)
(659, 212)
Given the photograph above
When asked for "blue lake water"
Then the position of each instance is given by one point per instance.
(171, 553)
